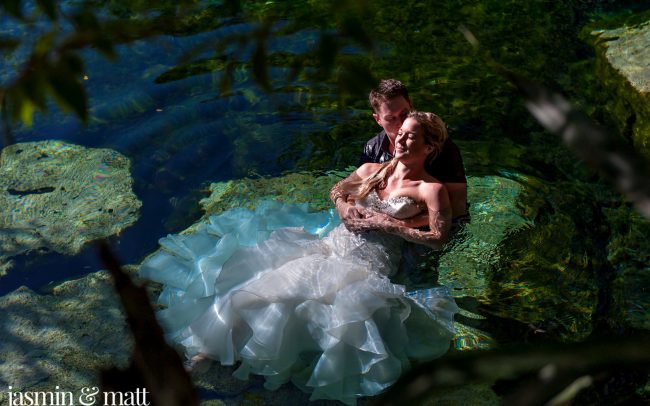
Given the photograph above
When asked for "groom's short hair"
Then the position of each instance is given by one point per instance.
(387, 89)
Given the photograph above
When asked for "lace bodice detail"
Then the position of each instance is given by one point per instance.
(401, 207)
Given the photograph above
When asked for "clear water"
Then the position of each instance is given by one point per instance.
(182, 135)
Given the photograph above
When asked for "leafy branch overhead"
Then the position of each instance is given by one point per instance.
(54, 67)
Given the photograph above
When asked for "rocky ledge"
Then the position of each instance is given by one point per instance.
(623, 67)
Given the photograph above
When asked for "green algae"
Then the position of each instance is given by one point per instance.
(621, 44)
(628, 251)
(57, 196)
(65, 337)
(299, 187)
(549, 274)
(630, 105)
(472, 255)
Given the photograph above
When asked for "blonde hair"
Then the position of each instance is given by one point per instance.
(435, 134)
(435, 131)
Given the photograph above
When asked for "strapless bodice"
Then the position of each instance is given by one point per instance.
(401, 207)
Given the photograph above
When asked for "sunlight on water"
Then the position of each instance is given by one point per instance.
(550, 247)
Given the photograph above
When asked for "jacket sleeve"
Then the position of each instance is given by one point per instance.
(366, 154)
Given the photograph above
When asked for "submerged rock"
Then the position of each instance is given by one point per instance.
(301, 187)
(62, 339)
(56, 196)
(553, 275)
(623, 66)
(628, 250)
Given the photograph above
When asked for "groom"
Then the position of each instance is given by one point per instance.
(391, 103)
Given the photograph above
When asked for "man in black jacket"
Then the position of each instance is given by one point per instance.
(391, 103)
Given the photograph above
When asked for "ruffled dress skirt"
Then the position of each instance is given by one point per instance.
(293, 296)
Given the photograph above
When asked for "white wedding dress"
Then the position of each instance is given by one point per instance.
(294, 297)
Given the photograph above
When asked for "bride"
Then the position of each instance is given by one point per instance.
(293, 297)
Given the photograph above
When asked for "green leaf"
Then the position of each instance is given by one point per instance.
(27, 112)
(35, 88)
(260, 66)
(68, 90)
(327, 50)
(227, 78)
(9, 44)
(48, 7)
(13, 7)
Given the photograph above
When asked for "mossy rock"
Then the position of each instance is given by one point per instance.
(473, 253)
(550, 275)
(300, 187)
(57, 197)
(628, 251)
(62, 338)
(622, 56)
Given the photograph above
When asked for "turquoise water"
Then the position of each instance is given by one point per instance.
(551, 244)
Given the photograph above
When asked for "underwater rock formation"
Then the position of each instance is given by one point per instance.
(622, 56)
(628, 251)
(63, 338)
(56, 197)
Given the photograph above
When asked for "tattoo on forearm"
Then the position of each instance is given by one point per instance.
(337, 192)
(439, 224)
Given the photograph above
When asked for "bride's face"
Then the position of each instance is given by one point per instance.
(410, 142)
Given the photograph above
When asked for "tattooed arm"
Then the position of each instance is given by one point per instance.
(340, 199)
(343, 203)
(439, 212)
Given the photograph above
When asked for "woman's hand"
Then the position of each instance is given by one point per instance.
(349, 211)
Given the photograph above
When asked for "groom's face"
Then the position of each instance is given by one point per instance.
(392, 114)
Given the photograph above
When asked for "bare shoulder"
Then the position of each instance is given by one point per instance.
(434, 194)
(367, 169)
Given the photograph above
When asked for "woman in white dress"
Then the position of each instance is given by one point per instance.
(289, 295)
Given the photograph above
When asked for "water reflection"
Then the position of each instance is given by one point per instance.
(550, 246)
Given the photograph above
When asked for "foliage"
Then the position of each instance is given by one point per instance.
(54, 67)
(345, 55)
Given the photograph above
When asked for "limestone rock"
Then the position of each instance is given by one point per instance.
(65, 338)
(57, 196)
(623, 66)
(61, 339)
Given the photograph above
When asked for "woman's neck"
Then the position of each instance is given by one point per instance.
(407, 171)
